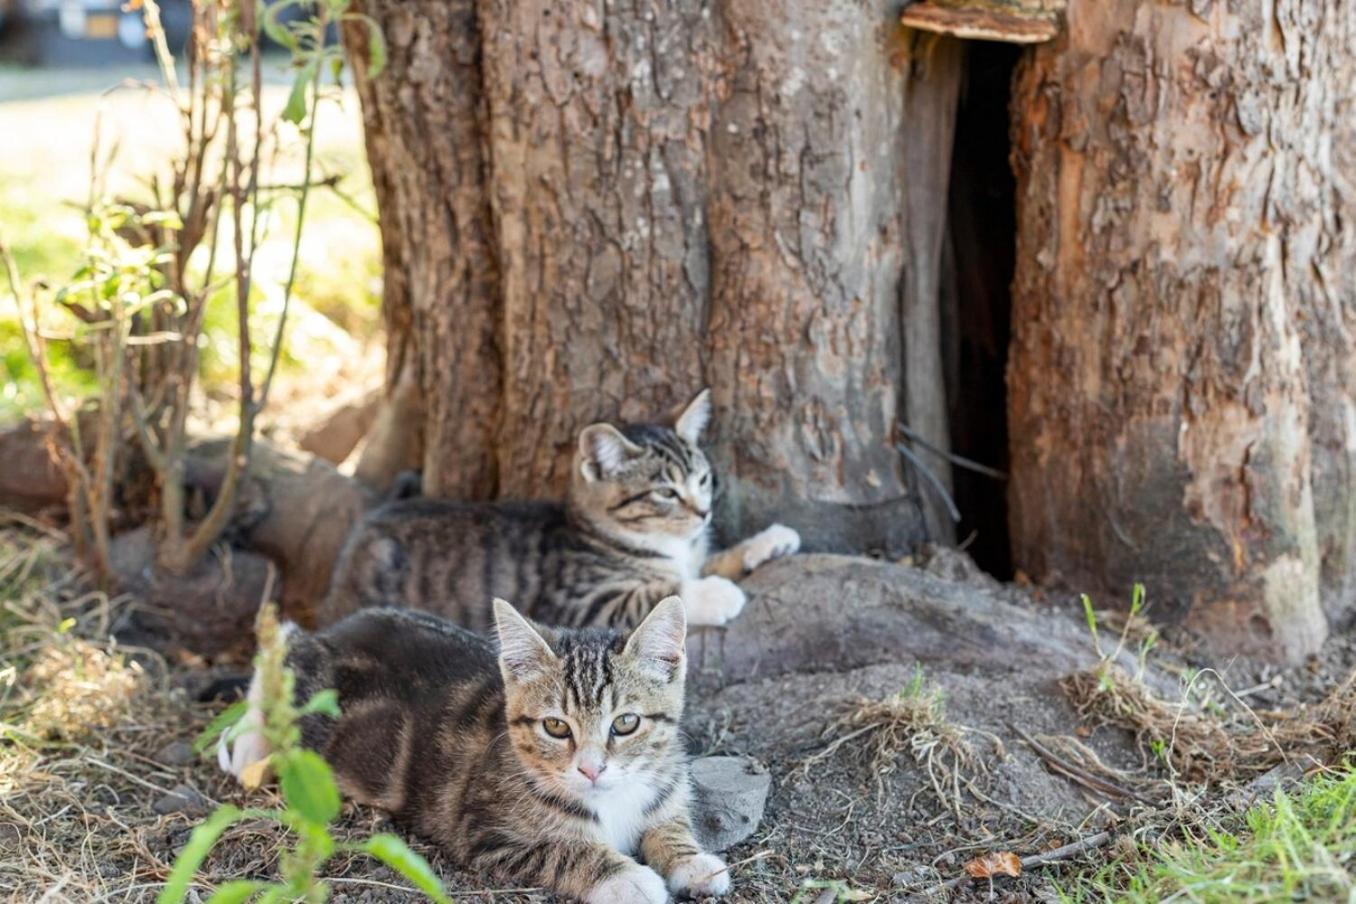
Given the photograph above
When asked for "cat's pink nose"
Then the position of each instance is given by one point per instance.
(592, 772)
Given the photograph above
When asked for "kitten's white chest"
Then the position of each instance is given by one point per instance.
(621, 816)
(684, 557)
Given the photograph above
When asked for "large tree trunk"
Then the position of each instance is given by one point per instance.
(1181, 376)
(599, 208)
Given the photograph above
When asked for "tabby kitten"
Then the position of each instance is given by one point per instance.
(632, 531)
(552, 764)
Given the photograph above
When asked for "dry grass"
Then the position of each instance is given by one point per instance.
(1206, 746)
(913, 721)
(93, 735)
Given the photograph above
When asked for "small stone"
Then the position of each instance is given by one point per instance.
(175, 753)
(729, 794)
(181, 799)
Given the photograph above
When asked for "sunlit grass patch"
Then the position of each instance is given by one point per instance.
(335, 312)
(1299, 846)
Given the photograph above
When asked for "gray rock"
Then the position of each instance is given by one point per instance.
(729, 793)
(181, 799)
(175, 753)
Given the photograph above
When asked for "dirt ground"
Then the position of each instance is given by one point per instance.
(98, 789)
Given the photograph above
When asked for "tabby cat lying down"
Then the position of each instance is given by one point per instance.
(549, 765)
(632, 531)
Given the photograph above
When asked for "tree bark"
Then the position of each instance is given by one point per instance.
(423, 123)
(1180, 379)
(598, 209)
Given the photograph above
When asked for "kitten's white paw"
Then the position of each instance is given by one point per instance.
(633, 885)
(712, 601)
(704, 874)
(768, 544)
(240, 756)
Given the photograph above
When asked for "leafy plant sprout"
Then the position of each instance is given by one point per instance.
(152, 265)
(311, 802)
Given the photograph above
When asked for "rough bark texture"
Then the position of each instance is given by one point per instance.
(1179, 384)
(600, 208)
(424, 119)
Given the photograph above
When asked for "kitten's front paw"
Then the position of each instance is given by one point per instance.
(712, 601)
(633, 885)
(245, 757)
(771, 543)
(704, 874)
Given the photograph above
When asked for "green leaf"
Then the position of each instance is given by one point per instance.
(237, 891)
(325, 702)
(224, 720)
(393, 852)
(295, 111)
(1092, 619)
(193, 854)
(376, 44)
(1137, 598)
(308, 786)
(273, 27)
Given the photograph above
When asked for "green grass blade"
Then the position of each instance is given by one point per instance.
(393, 852)
(224, 720)
(237, 891)
(195, 852)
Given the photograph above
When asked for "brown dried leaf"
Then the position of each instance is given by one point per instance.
(995, 863)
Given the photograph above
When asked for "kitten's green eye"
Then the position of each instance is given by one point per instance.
(666, 493)
(625, 724)
(556, 728)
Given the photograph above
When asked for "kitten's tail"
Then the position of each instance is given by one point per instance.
(239, 756)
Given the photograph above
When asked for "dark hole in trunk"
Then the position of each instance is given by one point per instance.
(978, 260)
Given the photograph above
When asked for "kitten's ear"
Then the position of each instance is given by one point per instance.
(603, 450)
(694, 418)
(658, 642)
(523, 653)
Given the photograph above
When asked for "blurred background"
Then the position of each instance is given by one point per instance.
(72, 68)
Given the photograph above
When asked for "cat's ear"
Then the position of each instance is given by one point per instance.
(523, 653)
(657, 644)
(694, 418)
(603, 450)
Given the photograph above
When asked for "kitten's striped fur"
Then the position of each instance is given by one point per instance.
(632, 531)
(454, 742)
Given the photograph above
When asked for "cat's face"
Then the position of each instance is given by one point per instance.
(647, 482)
(594, 712)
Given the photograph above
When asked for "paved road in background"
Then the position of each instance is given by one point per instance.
(19, 83)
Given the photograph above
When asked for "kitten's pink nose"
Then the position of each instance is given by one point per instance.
(592, 772)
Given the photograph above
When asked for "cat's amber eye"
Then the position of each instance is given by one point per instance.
(556, 728)
(666, 493)
(625, 724)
